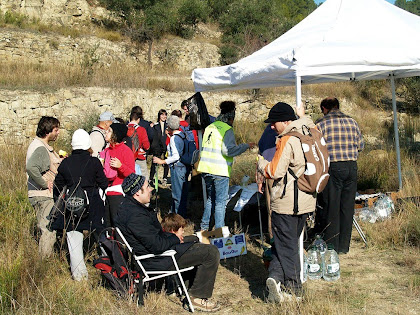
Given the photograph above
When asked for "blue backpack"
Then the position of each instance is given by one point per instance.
(189, 155)
(188, 133)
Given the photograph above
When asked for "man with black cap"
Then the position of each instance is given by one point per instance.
(140, 226)
(283, 281)
(216, 159)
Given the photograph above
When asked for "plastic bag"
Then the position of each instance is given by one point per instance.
(383, 207)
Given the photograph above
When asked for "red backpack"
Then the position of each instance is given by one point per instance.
(133, 142)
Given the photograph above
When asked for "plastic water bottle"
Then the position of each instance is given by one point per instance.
(331, 264)
(305, 267)
(320, 244)
(314, 264)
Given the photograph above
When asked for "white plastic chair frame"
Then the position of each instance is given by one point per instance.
(153, 275)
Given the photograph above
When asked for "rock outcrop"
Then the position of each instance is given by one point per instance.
(23, 109)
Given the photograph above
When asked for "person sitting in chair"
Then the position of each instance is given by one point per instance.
(140, 226)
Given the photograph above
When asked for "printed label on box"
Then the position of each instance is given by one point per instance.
(230, 246)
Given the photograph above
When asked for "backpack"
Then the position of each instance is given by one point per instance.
(317, 163)
(188, 132)
(115, 266)
(110, 173)
(76, 201)
(133, 142)
(190, 154)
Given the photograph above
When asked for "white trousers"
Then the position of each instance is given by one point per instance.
(77, 260)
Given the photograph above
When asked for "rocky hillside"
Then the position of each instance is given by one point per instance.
(19, 46)
(58, 12)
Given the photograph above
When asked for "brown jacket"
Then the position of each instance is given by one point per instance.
(289, 154)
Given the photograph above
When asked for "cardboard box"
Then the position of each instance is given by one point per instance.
(231, 246)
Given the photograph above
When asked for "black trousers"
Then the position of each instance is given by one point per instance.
(111, 208)
(206, 258)
(285, 266)
(165, 168)
(338, 197)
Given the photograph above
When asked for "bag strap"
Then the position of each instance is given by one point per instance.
(295, 192)
(101, 135)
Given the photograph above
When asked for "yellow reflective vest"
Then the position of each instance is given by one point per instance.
(212, 160)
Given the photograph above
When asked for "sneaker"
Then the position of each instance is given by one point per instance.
(205, 305)
(274, 292)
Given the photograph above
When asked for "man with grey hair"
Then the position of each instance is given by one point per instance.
(219, 148)
(179, 171)
(97, 135)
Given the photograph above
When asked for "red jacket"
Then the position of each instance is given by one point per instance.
(143, 140)
(125, 155)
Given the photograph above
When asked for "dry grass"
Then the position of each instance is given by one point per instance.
(369, 282)
(15, 20)
(18, 75)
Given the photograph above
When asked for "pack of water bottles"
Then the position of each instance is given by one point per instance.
(321, 261)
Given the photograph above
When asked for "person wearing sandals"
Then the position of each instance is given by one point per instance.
(80, 166)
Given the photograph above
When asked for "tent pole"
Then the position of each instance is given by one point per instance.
(397, 138)
(298, 91)
(298, 104)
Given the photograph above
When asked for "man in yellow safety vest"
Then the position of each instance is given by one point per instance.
(216, 159)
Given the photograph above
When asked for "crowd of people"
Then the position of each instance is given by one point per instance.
(110, 166)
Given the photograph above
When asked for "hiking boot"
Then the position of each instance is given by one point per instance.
(274, 292)
(204, 305)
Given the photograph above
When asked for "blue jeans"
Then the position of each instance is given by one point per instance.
(179, 186)
(217, 194)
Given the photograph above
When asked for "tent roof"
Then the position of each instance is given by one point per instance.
(341, 40)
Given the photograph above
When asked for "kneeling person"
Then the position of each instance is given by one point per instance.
(140, 226)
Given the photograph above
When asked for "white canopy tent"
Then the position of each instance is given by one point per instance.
(342, 40)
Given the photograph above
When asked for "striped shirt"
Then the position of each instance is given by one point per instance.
(343, 136)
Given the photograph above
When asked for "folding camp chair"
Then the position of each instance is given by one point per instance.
(153, 275)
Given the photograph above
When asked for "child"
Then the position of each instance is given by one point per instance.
(174, 223)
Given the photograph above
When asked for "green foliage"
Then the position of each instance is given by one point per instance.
(189, 13)
(228, 54)
(412, 6)
(193, 11)
(248, 25)
(409, 89)
(89, 60)
(16, 19)
(217, 8)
